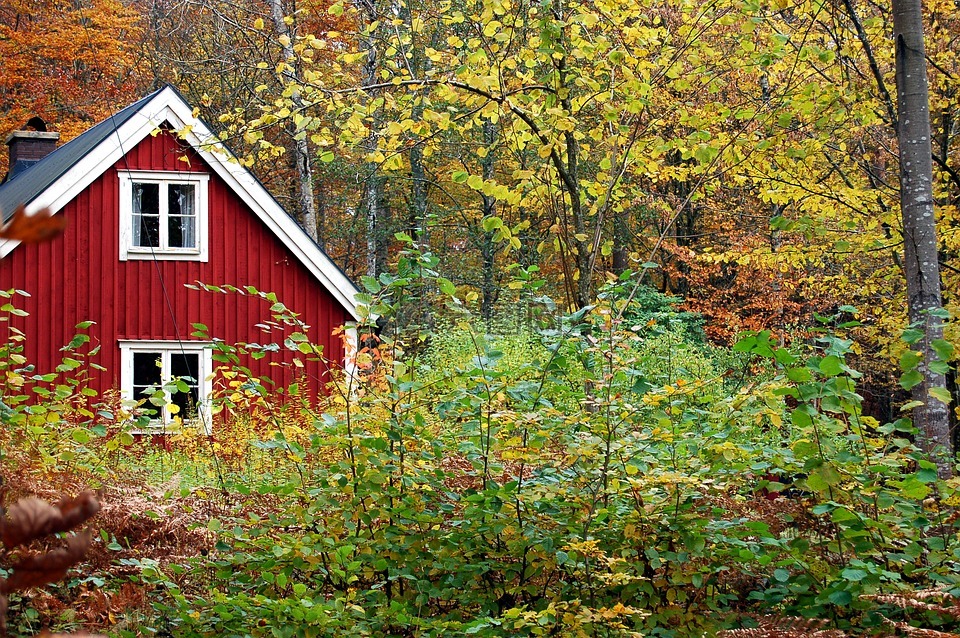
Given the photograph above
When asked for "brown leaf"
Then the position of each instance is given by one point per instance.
(40, 569)
(77, 510)
(32, 518)
(32, 229)
(28, 519)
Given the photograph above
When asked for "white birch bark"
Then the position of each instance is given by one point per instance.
(308, 209)
(921, 265)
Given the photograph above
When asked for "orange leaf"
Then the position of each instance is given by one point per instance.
(33, 229)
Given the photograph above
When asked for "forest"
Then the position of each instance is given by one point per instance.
(658, 329)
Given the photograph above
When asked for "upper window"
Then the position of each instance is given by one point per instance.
(163, 215)
(170, 378)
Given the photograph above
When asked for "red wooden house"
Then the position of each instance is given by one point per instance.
(154, 204)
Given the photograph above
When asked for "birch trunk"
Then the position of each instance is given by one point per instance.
(488, 285)
(308, 208)
(921, 265)
(372, 184)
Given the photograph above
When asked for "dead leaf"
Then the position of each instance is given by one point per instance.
(32, 229)
(77, 511)
(40, 569)
(31, 518)
(28, 519)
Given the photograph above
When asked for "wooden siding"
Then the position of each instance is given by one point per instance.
(79, 277)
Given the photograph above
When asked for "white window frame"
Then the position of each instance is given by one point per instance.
(162, 420)
(164, 178)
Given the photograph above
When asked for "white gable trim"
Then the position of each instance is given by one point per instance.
(167, 105)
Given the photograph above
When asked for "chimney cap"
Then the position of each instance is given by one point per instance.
(32, 135)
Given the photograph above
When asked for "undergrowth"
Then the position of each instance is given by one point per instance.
(601, 473)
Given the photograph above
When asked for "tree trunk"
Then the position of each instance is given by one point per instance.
(308, 208)
(372, 184)
(488, 286)
(919, 228)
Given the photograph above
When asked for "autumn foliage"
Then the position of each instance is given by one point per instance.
(70, 63)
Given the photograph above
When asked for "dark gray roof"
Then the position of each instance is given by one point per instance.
(27, 184)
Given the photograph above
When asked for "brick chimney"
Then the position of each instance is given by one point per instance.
(29, 147)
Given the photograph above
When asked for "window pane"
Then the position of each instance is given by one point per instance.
(146, 215)
(180, 230)
(182, 199)
(146, 374)
(146, 368)
(186, 367)
(181, 224)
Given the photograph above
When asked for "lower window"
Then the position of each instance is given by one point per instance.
(171, 378)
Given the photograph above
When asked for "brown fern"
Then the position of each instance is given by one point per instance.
(784, 627)
(31, 520)
(919, 632)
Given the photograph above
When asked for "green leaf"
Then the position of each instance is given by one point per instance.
(460, 177)
(912, 335)
(704, 153)
(842, 598)
(490, 224)
(446, 286)
(939, 366)
(783, 357)
(910, 379)
(943, 348)
(68, 364)
(909, 360)
(745, 344)
(941, 394)
(912, 487)
(831, 365)
(823, 477)
(371, 284)
(801, 418)
(927, 474)
(853, 574)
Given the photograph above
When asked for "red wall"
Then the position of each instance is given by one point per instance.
(79, 277)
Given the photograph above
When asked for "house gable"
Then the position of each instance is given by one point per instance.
(80, 276)
(63, 175)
